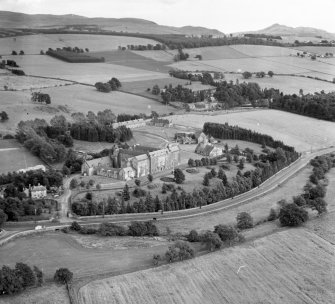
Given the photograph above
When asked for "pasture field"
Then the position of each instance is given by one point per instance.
(262, 50)
(132, 59)
(27, 83)
(316, 49)
(33, 44)
(273, 269)
(47, 294)
(287, 127)
(162, 56)
(14, 157)
(90, 73)
(50, 251)
(82, 98)
(287, 84)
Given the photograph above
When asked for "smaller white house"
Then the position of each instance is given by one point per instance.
(38, 192)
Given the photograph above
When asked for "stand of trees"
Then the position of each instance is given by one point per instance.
(143, 47)
(40, 97)
(317, 105)
(112, 85)
(14, 280)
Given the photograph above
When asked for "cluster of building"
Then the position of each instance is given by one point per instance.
(206, 146)
(135, 162)
(34, 192)
(138, 123)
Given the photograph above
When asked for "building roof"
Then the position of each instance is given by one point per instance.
(102, 160)
(141, 157)
(38, 188)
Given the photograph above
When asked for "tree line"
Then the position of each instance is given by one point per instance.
(143, 47)
(318, 105)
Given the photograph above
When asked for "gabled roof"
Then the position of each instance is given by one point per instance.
(38, 188)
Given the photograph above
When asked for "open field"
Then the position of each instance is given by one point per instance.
(33, 44)
(316, 49)
(262, 50)
(132, 59)
(14, 157)
(49, 251)
(48, 294)
(288, 127)
(163, 56)
(27, 83)
(276, 269)
(287, 84)
(90, 73)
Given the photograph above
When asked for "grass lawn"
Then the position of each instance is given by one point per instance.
(14, 157)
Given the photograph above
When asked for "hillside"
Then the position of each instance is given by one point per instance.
(283, 30)
(20, 20)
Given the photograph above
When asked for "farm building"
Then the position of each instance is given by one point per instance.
(38, 192)
(208, 150)
(138, 161)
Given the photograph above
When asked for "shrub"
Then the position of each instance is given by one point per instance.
(150, 178)
(85, 230)
(179, 251)
(244, 220)
(143, 228)
(227, 233)
(139, 192)
(179, 176)
(292, 215)
(299, 201)
(63, 276)
(27, 275)
(273, 215)
(155, 259)
(137, 182)
(75, 226)
(318, 204)
(110, 229)
(193, 236)
(212, 240)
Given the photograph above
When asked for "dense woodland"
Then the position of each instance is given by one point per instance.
(317, 105)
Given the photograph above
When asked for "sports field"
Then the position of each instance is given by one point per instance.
(273, 269)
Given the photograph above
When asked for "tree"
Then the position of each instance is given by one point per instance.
(150, 178)
(21, 52)
(179, 176)
(14, 53)
(155, 259)
(3, 116)
(137, 182)
(212, 240)
(270, 73)
(3, 217)
(63, 276)
(244, 220)
(241, 164)
(155, 90)
(125, 193)
(10, 282)
(227, 233)
(213, 172)
(272, 215)
(193, 236)
(206, 180)
(27, 275)
(292, 215)
(73, 183)
(39, 276)
(299, 200)
(246, 75)
(41, 52)
(318, 204)
(179, 251)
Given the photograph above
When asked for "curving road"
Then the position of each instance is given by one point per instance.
(241, 199)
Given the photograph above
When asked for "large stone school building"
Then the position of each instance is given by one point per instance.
(135, 162)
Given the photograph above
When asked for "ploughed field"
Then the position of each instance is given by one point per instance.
(273, 269)
(301, 132)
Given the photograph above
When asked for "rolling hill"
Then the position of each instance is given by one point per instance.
(13, 20)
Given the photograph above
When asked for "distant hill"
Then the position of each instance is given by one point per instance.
(12, 20)
(283, 30)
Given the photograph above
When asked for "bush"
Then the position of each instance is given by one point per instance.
(227, 233)
(244, 220)
(139, 192)
(292, 215)
(75, 226)
(179, 176)
(27, 275)
(137, 182)
(110, 229)
(179, 251)
(150, 178)
(212, 240)
(155, 259)
(85, 230)
(193, 236)
(142, 229)
(63, 276)
(273, 215)
(318, 204)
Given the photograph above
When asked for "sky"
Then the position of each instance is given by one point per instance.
(228, 16)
